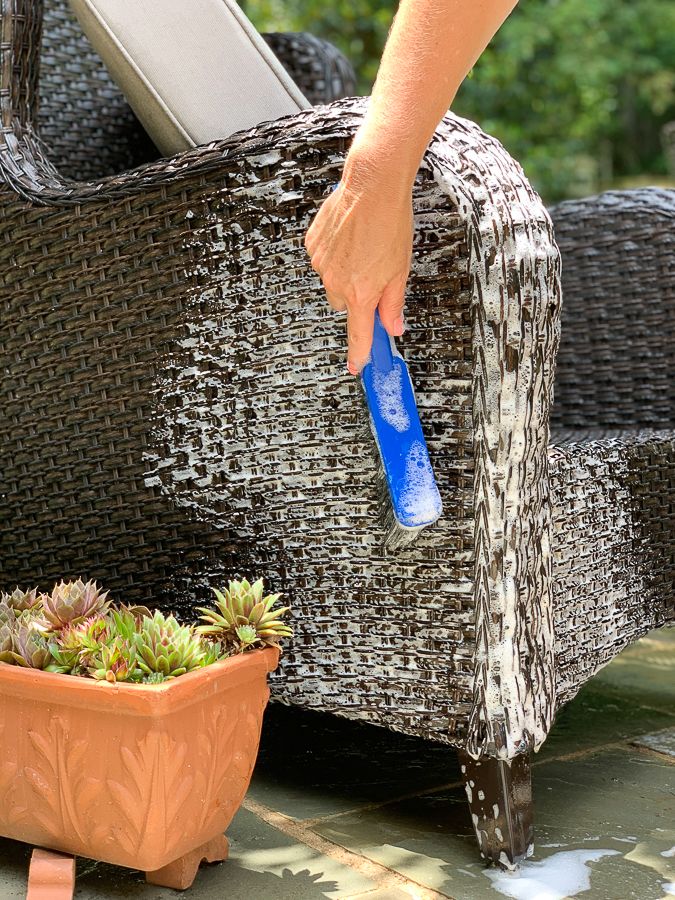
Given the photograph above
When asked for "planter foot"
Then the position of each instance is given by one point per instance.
(182, 871)
(51, 876)
(500, 799)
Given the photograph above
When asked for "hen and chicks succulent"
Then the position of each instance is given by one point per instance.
(243, 618)
(75, 630)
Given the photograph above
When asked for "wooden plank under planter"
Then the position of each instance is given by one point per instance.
(136, 775)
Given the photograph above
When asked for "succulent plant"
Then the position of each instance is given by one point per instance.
(115, 661)
(74, 646)
(247, 636)
(7, 614)
(165, 646)
(29, 647)
(71, 602)
(75, 631)
(243, 618)
(213, 651)
(6, 643)
(126, 621)
(20, 600)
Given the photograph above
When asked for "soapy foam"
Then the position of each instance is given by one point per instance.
(420, 498)
(561, 875)
(669, 887)
(389, 392)
(670, 852)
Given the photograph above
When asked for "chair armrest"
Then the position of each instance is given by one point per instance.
(321, 71)
(201, 371)
(483, 308)
(616, 365)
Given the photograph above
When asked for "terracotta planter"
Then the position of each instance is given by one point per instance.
(137, 775)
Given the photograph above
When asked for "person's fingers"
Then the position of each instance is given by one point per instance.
(360, 324)
(391, 306)
(316, 258)
(336, 302)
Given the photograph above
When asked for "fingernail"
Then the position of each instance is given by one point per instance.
(351, 368)
(399, 326)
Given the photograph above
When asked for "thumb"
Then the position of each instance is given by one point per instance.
(360, 324)
(391, 306)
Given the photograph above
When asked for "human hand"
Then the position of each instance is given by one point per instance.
(360, 243)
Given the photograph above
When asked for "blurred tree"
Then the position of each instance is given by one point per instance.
(358, 27)
(577, 90)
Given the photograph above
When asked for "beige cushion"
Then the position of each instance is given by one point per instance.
(192, 70)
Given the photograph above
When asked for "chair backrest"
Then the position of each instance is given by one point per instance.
(83, 117)
(616, 363)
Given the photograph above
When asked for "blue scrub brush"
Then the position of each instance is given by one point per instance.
(409, 495)
(407, 490)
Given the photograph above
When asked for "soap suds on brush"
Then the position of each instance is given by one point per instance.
(420, 498)
(389, 392)
(561, 875)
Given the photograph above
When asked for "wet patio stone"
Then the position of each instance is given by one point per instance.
(659, 741)
(330, 765)
(617, 801)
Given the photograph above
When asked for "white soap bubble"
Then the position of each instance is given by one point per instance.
(420, 498)
(389, 393)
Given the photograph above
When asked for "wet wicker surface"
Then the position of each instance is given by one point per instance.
(613, 495)
(613, 466)
(159, 430)
(616, 364)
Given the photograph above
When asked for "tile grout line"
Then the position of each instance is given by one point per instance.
(381, 875)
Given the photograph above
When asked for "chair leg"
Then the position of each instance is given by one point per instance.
(500, 799)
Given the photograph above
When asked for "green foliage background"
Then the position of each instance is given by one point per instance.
(577, 90)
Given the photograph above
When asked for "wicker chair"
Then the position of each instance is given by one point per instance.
(174, 406)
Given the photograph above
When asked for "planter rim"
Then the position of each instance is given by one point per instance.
(153, 700)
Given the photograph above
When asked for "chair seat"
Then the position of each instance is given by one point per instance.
(613, 508)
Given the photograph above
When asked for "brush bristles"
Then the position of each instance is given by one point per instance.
(396, 537)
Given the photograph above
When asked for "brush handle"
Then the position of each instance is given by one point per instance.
(395, 423)
(382, 351)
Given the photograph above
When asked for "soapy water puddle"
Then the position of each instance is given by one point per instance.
(561, 875)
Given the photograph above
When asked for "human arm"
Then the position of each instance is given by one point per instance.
(360, 241)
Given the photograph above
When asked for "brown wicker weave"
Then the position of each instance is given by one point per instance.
(175, 407)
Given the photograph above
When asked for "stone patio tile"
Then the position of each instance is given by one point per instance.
(382, 894)
(645, 668)
(315, 764)
(608, 817)
(601, 714)
(263, 863)
(660, 741)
